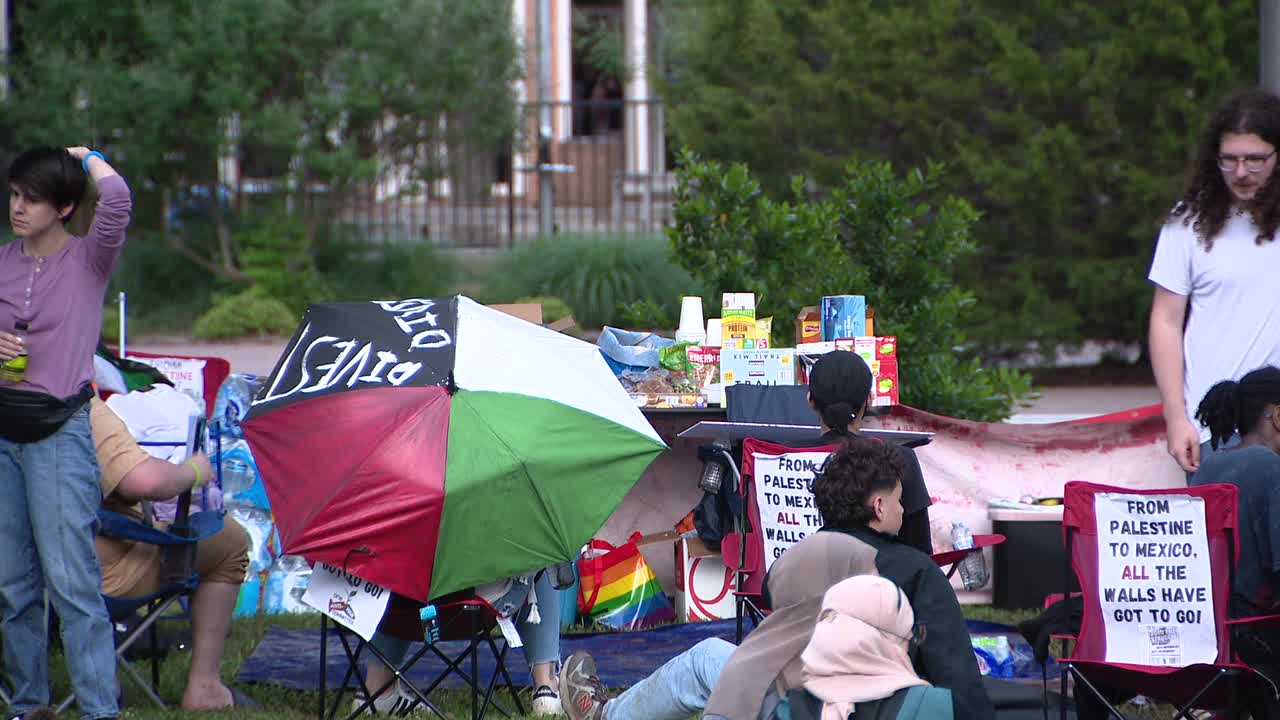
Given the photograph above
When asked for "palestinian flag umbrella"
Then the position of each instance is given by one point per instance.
(430, 445)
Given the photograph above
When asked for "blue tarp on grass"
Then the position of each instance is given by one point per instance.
(291, 658)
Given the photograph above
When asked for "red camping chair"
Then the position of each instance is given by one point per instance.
(215, 371)
(1193, 686)
(743, 551)
(460, 616)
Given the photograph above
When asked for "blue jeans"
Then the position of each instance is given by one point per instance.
(679, 689)
(50, 496)
(541, 640)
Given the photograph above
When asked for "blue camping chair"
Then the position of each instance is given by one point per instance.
(178, 578)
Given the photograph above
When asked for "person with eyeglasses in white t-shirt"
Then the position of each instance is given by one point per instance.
(1215, 314)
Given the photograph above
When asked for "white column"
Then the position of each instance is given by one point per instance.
(563, 70)
(546, 188)
(520, 90)
(4, 61)
(635, 30)
(1269, 45)
(229, 156)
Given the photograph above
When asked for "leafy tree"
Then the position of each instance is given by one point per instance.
(896, 240)
(320, 97)
(1066, 123)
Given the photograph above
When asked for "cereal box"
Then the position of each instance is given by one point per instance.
(738, 321)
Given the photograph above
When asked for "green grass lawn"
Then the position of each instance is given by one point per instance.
(278, 702)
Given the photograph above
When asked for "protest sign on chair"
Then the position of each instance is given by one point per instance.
(1155, 568)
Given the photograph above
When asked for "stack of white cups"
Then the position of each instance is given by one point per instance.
(714, 391)
(713, 333)
(691, 328)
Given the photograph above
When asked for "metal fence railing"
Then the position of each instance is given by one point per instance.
(605, 171)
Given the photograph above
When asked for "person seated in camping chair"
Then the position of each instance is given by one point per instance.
(129, 476)
(840, 393)
(535, 604)
(858, 493)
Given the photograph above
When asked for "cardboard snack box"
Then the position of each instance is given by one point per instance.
(775, 366)
(738, 320)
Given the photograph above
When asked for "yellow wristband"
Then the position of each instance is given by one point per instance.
(195, 469)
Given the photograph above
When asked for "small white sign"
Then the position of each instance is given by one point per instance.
(509, 631)
(356, 604)
(186, 374)
(1154, 580)
(784, 497)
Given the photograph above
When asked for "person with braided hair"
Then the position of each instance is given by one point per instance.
(1250, 409)
(1215, 314)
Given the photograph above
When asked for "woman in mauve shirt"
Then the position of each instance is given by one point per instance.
(54, 283)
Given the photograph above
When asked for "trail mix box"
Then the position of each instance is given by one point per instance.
(774, 366)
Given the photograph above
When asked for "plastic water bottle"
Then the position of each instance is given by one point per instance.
(286, 583)
(239, 472)
(15, 369)
(232, 403)
(257, 524)
(973, 568)
(430, 626)
(1002, 652)
(713, 468)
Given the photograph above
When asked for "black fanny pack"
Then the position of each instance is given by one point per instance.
(27, 417)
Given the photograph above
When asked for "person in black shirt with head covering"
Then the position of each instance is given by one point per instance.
(839, 391)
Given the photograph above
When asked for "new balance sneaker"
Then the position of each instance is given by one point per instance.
(546, 701)
(584, 694)
(395, 702)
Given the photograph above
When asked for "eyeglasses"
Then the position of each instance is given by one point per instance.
(1252, 163)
